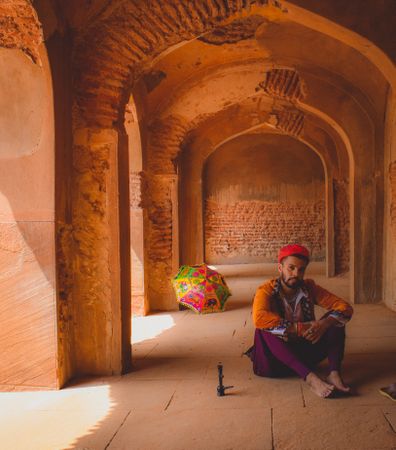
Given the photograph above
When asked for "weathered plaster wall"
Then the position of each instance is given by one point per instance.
(260, 193)
(28, 334)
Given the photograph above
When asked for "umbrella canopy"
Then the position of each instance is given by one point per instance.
(201, 289)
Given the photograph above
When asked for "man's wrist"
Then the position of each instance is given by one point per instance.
(292, 329)
(329, 321)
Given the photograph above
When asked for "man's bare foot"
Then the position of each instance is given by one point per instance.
(318, 386)
(335, 379)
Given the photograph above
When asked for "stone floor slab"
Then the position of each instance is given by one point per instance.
(174, 368)
(143, 395)
(49, 430)
(371, 331)
(196, 429)
(323, 427)
(253, 393)
(390, 416)
(384, 344)
(366, 374)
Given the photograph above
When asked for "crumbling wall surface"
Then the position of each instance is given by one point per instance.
(166, 137)
(96, 249)
(28, 340)
(161, 259)
(341, 226)
(253, 231)
(20, 27)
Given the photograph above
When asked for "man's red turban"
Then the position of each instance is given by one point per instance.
(293, 249)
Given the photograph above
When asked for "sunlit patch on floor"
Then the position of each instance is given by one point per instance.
(149, 327)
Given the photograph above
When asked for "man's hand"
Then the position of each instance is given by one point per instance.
(317, 329)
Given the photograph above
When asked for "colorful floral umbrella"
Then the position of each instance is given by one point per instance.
(201, 289)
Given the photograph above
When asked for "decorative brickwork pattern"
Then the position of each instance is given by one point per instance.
(341, 226)
(252, 231)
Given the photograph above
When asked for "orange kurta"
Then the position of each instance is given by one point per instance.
(264, 317)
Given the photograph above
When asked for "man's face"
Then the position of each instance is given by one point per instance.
(292, 271)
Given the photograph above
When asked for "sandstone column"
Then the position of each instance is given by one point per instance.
(161, 239)
(390, 204)
(98, 320)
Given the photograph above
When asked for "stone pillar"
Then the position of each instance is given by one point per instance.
(341, 220)
(363, 222)
(191, 209)
(161, 239)
(390, 204)
(330, 263)
(139, 305)
(132, 128)
(97, 264)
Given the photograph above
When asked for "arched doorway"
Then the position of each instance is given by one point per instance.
(260, 192)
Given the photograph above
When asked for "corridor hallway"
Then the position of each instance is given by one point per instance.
(169, 400)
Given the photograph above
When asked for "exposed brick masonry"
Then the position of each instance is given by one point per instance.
(165, 140)
(114, 51)
(20, 28)
(236, 31)
(254, 230)
(284, 83)
(290, 121)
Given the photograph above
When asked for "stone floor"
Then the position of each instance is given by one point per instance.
(169, 401)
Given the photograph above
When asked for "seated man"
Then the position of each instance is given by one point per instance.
(288, 337)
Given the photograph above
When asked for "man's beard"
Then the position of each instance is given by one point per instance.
(296, 282)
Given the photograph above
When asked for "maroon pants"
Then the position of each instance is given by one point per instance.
(274, 358)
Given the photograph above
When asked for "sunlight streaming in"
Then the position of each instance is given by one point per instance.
(150, 326)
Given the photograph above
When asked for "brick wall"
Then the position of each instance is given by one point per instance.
(253, 231)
